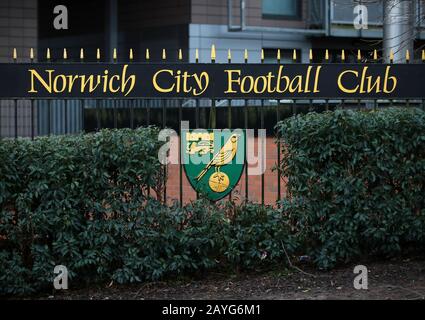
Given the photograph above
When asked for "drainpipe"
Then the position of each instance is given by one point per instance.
(399, 29)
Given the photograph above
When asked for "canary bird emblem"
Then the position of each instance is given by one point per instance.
(214, 161)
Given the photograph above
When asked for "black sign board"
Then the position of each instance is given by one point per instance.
(182, 80)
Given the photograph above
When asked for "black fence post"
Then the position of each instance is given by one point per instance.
(262, 156)
(98, 122)
(164, 123)
(113, 101)
(15, 101)
(246, 127)
(197, 114)
(278, 141)
(133, 101)
(82, 101)
(229, 108)
(180, 58)
(32, 101)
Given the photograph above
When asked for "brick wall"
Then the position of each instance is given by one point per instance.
(254, 187)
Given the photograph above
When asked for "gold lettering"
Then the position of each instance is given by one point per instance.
(204, 77)
(111, 84)
(55, 83)
(297, 80)
(230, 80)
(125, 80)
(316, 80)
(90, 80)
(307, 79)
(47, 86)
(251, 84)
(342, 87)
(376, 85)
(105, 80)
(155, 82)
(72, 79)
(264, 88)
(270, 77)
(362, 80)
(392, 78)
(279, 79)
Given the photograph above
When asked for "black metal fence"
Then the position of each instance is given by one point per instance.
(38, 117)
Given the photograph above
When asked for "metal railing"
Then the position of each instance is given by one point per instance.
(37, 117)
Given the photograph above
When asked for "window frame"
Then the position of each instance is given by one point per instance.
(297, 17)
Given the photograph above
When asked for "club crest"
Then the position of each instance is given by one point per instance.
(213, 160)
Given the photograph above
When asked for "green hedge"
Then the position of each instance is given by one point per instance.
(81, 201)
(54, 190)
(356, 182)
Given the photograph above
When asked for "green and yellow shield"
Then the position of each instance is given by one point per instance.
(213, 160)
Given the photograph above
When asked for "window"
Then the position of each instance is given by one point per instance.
(342, 11)
(278, 9)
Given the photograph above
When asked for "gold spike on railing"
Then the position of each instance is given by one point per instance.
(343, 55)
(48, 57)
(310, 55)
(327, 55)
(375, 55)
(213, 54)
(391, 56)
(32, 54)
(359, 55)
(196, 55)
(180, 55)
(98, 54)
(278, 55)
(81, 54)
(229, 56)
(114, 54)
(147, 55)
(407, 56)
(423, 55)
(294, 55)
(130, 55)
(245, 55)
(14, 55)
(164, 54)
(262, 56)
(65, 54)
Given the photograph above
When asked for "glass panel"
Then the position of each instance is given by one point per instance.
(421, 11)
(375, 10)
(342, 10)
(280, 8)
